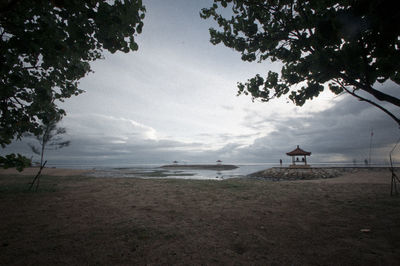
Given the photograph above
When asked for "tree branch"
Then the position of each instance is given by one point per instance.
(17, 101)
(369, 101)
(377, 94)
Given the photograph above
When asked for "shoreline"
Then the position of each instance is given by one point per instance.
(271, 174)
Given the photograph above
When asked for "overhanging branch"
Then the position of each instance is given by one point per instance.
(377, 94)
(369, 101)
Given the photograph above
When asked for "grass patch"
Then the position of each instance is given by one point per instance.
(233, 185)
(212, 185)
(141, 234)
(20, 184)
(24, 188)
(13, 188)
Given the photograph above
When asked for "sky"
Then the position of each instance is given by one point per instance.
(175, 99)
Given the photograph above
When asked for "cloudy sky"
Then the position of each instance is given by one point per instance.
(175, 99)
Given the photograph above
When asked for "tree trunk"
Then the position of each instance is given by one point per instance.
(37, 177)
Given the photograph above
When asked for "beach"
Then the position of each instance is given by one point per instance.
(32, 171)
(76, 218)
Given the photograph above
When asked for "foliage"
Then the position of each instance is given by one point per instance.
(50, 139)
(14, 160)
(46, 47)
(344, 45)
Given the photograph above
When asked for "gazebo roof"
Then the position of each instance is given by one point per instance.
(298, 151)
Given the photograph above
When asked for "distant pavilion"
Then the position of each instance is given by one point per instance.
(299, 152)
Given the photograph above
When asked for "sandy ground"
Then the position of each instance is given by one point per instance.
(362, 176)
(72, 220)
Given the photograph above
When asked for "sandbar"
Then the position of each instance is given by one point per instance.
(215, 167)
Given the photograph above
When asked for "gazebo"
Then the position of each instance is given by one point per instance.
(299, 152)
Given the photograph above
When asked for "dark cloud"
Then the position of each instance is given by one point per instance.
(340, 133)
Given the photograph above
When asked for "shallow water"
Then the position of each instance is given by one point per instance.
(155, 171)
(158, 172)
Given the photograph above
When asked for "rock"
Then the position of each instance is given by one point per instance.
(276, 174)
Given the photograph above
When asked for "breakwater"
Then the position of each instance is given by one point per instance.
(286, 173)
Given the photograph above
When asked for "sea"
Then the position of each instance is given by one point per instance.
(149, 171)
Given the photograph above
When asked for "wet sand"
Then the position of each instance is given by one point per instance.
(75, 220)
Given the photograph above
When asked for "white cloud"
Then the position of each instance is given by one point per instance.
(117, 129)
(175, 99)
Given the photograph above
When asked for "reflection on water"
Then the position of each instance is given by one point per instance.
(157, 172)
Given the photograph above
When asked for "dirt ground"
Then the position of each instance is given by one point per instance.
(72, 220)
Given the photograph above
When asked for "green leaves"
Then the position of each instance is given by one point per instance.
(335, 88)
(354, 43)
(306, 93)
(132, 45)
(14, 160)
(47, 46)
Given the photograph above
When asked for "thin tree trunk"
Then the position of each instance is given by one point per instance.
(395, 178)
(37, 177)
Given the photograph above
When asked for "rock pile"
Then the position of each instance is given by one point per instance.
(284, 173)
